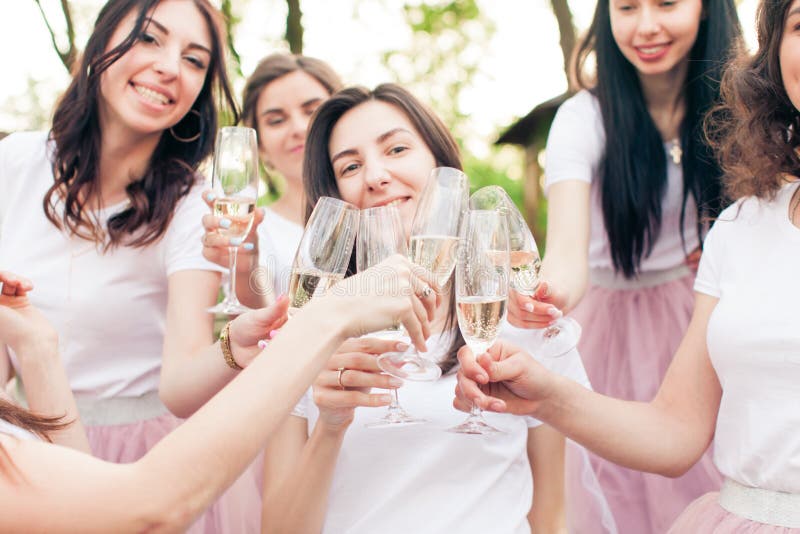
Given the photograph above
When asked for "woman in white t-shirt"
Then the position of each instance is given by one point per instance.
(630, 184)
(324, 470)
(47, 488)
(278, 101)
(736, 375)
(102, 213)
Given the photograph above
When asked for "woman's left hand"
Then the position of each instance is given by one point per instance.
(20, 322)
(251, 327)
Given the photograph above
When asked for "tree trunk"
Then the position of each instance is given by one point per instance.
(294, 27)
(69, 56)
(566, 29)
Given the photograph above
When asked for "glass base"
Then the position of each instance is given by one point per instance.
(475, 425)
(396, 417)
(409, 366)
(559, 339)
(229, 308)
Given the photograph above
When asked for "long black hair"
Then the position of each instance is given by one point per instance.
(633, 171)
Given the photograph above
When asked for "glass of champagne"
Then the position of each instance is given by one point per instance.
(482, 275)
(324, 251)
(433, 245)
(561, 337)
(235, 183)
(381, 235)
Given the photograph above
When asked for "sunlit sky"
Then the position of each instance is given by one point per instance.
(521, 67)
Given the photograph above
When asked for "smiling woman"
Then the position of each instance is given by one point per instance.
(112, 201)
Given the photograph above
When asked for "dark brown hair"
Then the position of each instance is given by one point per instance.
(319, 178)
(755, 128)
(277, 66)
(172, 169)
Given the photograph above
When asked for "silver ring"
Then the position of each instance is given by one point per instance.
(427, 292)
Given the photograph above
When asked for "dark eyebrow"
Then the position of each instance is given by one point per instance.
(794, 11)
(165, 31)
(303, 105)
(343, 153)
(383, 137)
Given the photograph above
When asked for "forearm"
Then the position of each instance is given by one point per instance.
(254, 286)
(643, 436)
(264, 393)
(188, 382)
(300, 502)
(48, 392)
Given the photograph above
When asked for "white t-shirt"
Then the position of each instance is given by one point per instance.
(575, 147)
(750, 262)
(421, 479)
(17, 432)
(278, 238)
(109, 308)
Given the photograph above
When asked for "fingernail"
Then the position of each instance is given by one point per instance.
(262, 343)
(235, 241)
(554, 312)
(395, 382)
(528, 307)
(483, 376)
(401, 346)
(248, 246)
(385, 399)
(496, 406)
(211, 196)
(225, 223)
(273, 333)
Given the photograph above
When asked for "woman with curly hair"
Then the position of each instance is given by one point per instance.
(735, 375)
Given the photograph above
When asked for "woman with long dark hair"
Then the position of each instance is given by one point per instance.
(632, 185)
(278, 100)
(735, 375)
(102, 213)
(324, 470)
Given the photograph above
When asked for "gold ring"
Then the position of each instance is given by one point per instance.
(341, 371)
(427, 292)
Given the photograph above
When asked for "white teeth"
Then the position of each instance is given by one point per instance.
(395, 202)
(151, 95)
(651, 50)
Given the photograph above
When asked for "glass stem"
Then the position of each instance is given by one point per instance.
(395, 404)
(474, 411)
(233, 252)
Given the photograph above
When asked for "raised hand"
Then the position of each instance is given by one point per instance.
(21, 324)
(540, 310)
(253, 326)
(215, 246)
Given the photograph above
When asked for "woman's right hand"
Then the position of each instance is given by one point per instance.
(540, 310)
(391, 293)
(357, 359)
(215, 245)
(21, 324)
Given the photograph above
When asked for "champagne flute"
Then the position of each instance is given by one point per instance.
(433, 245)
(555, 340)
(381, 235)
(324, 251)
(482, 274)
(235, 183)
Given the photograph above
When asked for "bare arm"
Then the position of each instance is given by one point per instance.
(666, 436)
(546, 455)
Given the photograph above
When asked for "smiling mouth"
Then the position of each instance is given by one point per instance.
(394, 202)
(652, 50)
(153, 96)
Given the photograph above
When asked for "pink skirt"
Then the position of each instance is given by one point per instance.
(706, 516)
(628, 341)
(238, 510)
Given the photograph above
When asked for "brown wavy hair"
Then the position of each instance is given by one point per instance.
(40, 425)
(319, 178)
(755, 128)
(173, 166)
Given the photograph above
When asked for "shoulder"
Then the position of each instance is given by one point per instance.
(25, 148)
(582, 102)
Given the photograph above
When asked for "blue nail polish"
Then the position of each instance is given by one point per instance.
(225, 223)
(235, 241)
(248, 246)
(211, 196)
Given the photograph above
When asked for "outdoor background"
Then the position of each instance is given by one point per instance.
(481, 64)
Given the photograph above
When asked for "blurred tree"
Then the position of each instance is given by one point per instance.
(69, 55)
(294, 27)
(566, 30)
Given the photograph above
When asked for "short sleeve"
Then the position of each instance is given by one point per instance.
(301, 408)
(576, 141)
(708, 273)
(183, 245)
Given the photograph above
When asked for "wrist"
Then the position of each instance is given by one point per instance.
(324, 315)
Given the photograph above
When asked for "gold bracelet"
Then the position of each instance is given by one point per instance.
(225, 345)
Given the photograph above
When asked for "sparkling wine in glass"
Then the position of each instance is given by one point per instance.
(324, 251)
(381, 235)
(561, 337)
(482, 278)
(433, 245)
(235, 183)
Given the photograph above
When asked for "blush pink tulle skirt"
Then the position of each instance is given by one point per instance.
(706, 516)
(237, 511)
(630, 335)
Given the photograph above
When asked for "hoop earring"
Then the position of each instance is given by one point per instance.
(193, 138)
